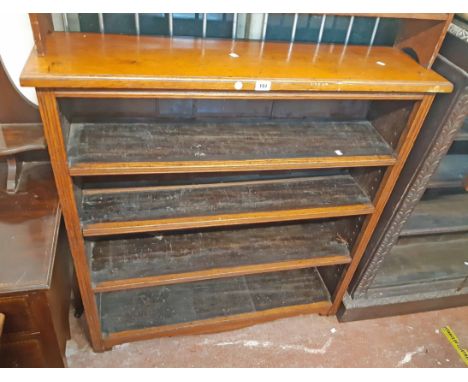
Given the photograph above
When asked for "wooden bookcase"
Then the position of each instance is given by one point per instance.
(197, 200)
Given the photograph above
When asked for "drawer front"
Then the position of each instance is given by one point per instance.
(18, 317)
(27, 353)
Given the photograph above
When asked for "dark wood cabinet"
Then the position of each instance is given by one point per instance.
(418, 257)
(35, 268)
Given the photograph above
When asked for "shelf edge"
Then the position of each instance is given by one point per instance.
(139, 226)
(208, 274)
(217, 324)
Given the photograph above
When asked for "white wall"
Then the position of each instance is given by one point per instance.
(16, 42)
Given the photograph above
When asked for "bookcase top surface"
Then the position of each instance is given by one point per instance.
(86, 60)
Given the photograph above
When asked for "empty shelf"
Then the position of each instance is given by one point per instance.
(443, 214)
(451, 172)
(145, 209)
(170, 258)
(211, 305)
(96, 148)
(416, 260)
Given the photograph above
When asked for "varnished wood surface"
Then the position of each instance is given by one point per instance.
(55, 144)
(215, 325)
(451, 172)
(86, 60)
(169, 258)
(223, 146)
(115, 211)
(20, 137)
(29, 223)
(184, 303)
(14, 107)
(403, 148)
(2, 321)
(445, 213)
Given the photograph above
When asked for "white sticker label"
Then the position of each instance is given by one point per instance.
(262, 86)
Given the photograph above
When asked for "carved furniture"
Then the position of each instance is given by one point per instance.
(418, 257)
(208, 185)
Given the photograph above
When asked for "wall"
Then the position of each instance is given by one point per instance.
(16, 42)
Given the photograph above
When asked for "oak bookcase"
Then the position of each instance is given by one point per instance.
(204, 190)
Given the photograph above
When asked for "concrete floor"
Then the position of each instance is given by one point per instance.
(305, 341)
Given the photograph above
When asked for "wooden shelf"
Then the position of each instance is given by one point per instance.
(117, 61)
(96, 148)
(415, 260)
(444, 214)
(146, 209)
(210, 305)
(451, 172)
(176, 258)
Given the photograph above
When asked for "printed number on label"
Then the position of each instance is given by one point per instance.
(262, 86)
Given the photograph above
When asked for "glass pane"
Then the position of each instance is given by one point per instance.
(279, 26)
(119, 23)
(188, 24)
(89, 22)
(155, 24)
(219, 25)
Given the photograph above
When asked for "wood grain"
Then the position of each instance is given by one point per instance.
(390, 177)
(170, 258)
(96, 149)
(224, 299)
(92, 61)
(53, 133)
(20, 137)
(142, 209)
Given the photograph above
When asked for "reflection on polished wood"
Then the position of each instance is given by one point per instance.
(87, 60)
(29, 222)
(20, 137)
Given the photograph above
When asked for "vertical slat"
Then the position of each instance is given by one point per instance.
(322, 28)
(101, 22)
(137, 23)
(66, 26)
(171, 26)
(58, 158)
(264, 26)
(234, 26)
(387, 184)
(374, 31)
(350, 28)
(294, 27)
(204, 26)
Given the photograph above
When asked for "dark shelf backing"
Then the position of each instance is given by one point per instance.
(96, 148)
(170, 305)
(116, 211)
(418, 261)
(451, 172)
(442, 214)
(167, 258)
